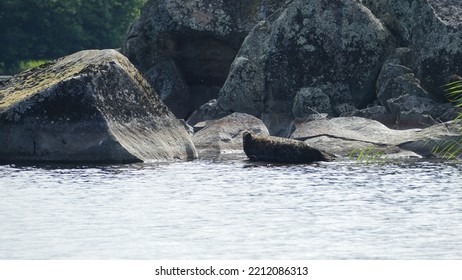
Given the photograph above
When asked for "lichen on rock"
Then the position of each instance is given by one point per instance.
(200, 38)
(312, 44)
(91, 106)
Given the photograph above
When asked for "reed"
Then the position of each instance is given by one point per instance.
(452, 149)
(454, 93)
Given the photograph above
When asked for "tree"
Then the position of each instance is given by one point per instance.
(47, 29)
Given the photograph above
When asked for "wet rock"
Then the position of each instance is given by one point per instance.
(199, 37)
(92, 106)
(338, 45)
(351, 136)
(281, 150)
(225, 135)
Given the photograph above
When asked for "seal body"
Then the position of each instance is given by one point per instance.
(281, 150)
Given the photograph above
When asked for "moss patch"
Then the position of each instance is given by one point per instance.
(36, 80)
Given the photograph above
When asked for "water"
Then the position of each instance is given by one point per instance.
(232, 209)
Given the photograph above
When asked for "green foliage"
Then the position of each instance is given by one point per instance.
(452, 149)
(454, 93)
(448, 150)
(369, 155)
(24, 65)
(47, 29)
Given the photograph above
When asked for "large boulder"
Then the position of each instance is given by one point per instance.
(335, 46)
(224, 136)
(92, 106)
(185, 47)
(353, 136)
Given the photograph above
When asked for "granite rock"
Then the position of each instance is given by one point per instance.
(91, 106)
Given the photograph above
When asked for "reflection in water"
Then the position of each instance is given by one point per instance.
(231, 210)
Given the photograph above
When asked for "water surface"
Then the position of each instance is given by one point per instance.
(232, 209)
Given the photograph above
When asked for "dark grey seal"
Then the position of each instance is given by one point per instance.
(281, 150)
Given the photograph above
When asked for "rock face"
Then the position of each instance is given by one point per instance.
(402, 93)
(280, 150)
(431, 30)
(92, 106)
(281, 60)
(351, 136)
(185, 47)
(225, 135)
(333, 47)
(301, 57)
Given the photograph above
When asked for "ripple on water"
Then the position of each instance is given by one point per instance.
(232, 210)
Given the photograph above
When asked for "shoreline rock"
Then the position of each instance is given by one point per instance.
(350, 136)
(285, 63)
(91, 106)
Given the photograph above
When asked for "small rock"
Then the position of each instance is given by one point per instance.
(224, 136)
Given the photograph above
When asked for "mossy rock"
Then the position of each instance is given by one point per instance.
(91, 106)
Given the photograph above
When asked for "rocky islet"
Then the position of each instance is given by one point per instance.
(287, 62)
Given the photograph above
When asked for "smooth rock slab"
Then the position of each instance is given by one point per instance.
(349, 136)
(91, 106)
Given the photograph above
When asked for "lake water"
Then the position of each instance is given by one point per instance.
(232, 209)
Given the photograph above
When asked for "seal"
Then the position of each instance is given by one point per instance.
(281, 150)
